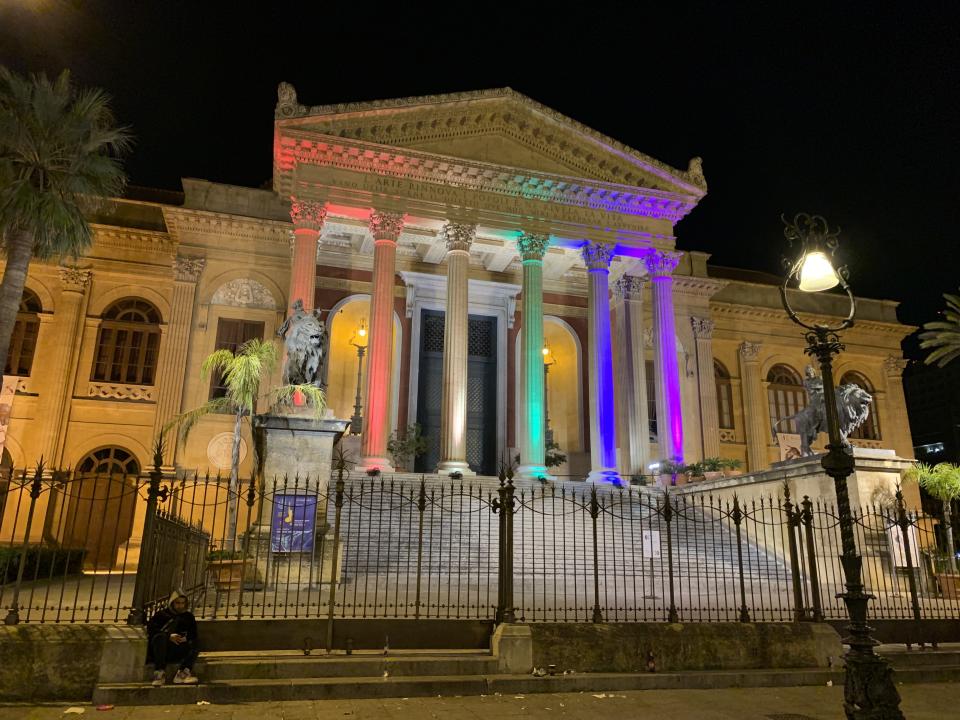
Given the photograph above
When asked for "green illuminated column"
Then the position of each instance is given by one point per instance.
(532, 425)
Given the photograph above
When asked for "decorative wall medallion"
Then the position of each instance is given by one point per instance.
(244, 292)
(220, 448)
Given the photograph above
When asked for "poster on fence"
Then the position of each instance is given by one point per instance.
(294, 519)
(7, 392)
(789, 445)
(651, 544)
(896, 543)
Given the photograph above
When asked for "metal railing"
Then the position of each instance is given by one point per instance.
(101, 548)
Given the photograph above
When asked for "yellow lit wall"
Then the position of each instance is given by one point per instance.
(342, 373)
(564, 381)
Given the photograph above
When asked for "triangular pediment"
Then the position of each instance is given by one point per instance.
(501, 127)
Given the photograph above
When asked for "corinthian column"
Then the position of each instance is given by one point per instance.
(532, 428)
(660, 265)
(758, 433)
(385, 228)
(634, 426)
(307, 220)
(603, 431)
(453, 421)
(173, 352)
(707, 385)
(61, 366)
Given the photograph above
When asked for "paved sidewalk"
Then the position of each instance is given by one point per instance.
(920, 702)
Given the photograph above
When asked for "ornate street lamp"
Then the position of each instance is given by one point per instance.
(869, 691)
(359, 341)
(548, 360)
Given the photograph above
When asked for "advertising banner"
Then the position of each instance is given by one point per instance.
(294, 520)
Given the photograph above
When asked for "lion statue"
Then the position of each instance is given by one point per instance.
(853, 408)
(305, 340)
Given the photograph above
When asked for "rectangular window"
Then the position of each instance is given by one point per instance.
(231, 334)
(651, 400)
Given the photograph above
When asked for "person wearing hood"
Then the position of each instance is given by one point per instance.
(172, 634)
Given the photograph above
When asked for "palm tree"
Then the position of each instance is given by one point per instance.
(942, 481)
(242, 373)
(943, 335)
(59, 149)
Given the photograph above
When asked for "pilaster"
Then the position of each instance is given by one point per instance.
(660, 265)
(634, 422)
(603, 440)
(754, 410)
(894, 427)
(453, 419)
(385, 228)
(707, 386)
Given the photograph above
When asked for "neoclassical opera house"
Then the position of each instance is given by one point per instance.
(510, 274)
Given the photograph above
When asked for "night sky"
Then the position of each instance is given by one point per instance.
(850, 113)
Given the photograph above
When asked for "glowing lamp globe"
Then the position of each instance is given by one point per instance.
(817, 273)
(362, 330)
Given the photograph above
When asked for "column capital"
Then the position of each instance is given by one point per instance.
(894, 366)
(188, 268)
(629, 287)
(459, 236)
(702, 327)
(386, 225)
(749, 351)
(532, 246)
(75, 279)
(661, 263)
(307, 214)
(596, 256)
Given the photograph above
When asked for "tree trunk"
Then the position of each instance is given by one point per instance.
(19, 251)
(234, 492)
(948, 536)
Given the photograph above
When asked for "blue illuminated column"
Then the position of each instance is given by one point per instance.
(531, 433)
(603, 421)
(660, 266)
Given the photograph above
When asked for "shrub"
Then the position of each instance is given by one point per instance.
(41, 561)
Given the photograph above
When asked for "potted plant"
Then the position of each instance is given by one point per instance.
(694, 472)
(225, 569)
(712, 468)
(243, 372)
(406, 448)
(942, 482)
(670, 472)
(731, 467)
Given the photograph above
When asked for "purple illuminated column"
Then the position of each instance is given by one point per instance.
(603, 421)
(660, 265)
(385, 228)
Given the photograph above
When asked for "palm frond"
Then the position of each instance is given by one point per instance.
(218, 360)
(941, 481)
(943, 336)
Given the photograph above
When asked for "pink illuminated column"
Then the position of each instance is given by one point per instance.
(603, 421)
(453, 419)
(307, 217)
(385, 228)
(660, 265)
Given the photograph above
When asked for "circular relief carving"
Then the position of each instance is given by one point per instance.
(220, 447)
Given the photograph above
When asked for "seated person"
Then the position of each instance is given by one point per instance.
(172, 637)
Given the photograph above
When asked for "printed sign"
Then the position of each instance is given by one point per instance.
(294, 519)
(651, 544)
(789, 445)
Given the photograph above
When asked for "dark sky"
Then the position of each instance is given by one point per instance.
(852, 113)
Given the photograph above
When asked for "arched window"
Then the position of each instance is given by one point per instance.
(128, 343)
(724, 395)
(109, 461)
(23, 342)
(870, 430)
(786, 395)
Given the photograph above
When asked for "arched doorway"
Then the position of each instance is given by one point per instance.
(563, 384)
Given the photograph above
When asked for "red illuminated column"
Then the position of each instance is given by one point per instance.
(307, 217)
(385, 228)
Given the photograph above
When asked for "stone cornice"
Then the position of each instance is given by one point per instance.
(296, 147)
(201, 222)
(289, 112)
(697, 286)
(113, 237)
(769, 315)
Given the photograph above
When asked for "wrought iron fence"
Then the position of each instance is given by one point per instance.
(102, 548)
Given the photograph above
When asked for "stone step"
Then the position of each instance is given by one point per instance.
(928, 657)
(227, 668)
(258, 690)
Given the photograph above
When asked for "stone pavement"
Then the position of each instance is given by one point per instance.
(934, 701)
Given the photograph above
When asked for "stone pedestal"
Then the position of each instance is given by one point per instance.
(298, 455)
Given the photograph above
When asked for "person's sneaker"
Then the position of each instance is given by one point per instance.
(159, 678)
(184, 677)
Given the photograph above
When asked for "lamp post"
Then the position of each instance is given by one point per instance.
(359, 341)
(869, 690)
(548, 360)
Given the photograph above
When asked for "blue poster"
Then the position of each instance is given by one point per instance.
(294, 518)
